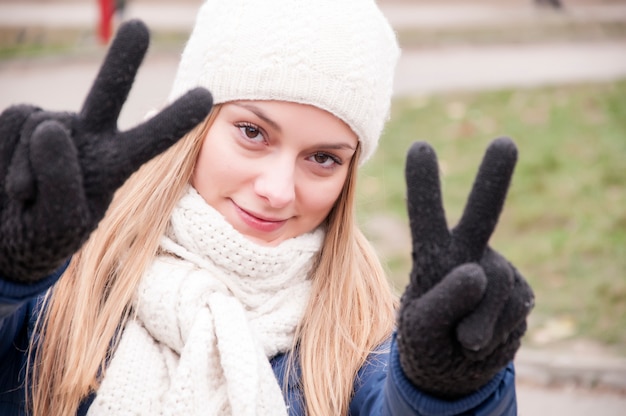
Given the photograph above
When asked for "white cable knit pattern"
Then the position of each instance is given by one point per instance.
(210, 311)
(338, 55)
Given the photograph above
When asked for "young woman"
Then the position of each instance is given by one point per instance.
(228, 274)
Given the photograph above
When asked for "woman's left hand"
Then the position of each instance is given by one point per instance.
(464, 311)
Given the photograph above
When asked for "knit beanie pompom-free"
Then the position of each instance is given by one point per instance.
(337, 55)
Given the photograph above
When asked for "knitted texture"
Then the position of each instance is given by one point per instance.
(210, 312)
(464, 311)
(338, 55)
(59, 170)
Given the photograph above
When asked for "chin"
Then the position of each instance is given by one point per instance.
(264, 241)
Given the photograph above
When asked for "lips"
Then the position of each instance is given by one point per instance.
(258, 223)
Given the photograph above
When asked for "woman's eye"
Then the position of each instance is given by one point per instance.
(325, 160)
(251, 132)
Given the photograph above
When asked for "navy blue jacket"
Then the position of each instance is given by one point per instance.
(381, 388)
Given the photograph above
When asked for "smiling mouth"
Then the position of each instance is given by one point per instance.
(258, 223)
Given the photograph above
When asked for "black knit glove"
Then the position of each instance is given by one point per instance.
(464, 311)
(59, 171)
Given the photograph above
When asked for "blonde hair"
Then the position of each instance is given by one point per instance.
(350, 313)
(86, 310)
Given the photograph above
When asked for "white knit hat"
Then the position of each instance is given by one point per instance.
(337, 55)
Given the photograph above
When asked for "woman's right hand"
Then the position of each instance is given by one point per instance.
(59, 170)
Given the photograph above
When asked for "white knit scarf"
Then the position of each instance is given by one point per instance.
(210, 312)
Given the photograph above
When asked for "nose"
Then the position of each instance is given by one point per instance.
(276, 183)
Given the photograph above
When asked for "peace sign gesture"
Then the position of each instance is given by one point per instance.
(59, 171)
(464, 310)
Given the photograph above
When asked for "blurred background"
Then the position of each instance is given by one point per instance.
(550, 74)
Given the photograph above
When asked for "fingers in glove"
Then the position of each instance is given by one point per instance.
(11, 122)
(20, 182)
(104, 102)
(425, 206)
(476, 331)
(511, 322)
(487, 197)
(500, 352)
(60, 194)
(112, 159)
(516, 310)
(441, 308)
(142, 143)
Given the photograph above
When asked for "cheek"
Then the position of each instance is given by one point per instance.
(220, 171)
(211, 167)
(319, 200)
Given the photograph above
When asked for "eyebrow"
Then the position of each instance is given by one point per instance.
(336, 146)
(260, 114)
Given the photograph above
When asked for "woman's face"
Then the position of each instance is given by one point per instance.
(274, 169)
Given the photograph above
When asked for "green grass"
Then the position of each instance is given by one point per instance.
(564, 222)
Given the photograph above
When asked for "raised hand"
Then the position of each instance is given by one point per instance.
(464, 311)
(59, 171)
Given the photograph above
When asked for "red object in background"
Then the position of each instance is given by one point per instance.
(106, 20)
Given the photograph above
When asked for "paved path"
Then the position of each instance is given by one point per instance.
(488, 67)
(421, 71)
(542, 401)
